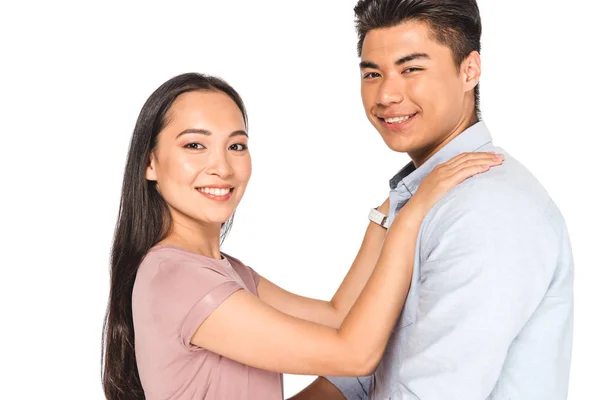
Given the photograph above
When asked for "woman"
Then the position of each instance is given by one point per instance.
(186, 321)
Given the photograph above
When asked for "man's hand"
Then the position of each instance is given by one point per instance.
(320, 389)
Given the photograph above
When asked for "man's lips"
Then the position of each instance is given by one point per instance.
(396, 122)
(395, 118)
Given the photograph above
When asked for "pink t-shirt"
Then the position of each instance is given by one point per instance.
(174, 292)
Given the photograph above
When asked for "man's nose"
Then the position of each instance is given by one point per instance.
(390, 92)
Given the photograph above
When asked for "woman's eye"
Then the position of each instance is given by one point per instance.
(238, 147)
(194, 146)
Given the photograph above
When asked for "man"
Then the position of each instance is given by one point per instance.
(490, 311)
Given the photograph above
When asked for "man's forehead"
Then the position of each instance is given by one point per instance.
(409, 37)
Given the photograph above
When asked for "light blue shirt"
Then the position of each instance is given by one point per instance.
(489, 314)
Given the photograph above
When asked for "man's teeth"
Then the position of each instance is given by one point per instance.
(215, 191)
(396, 120)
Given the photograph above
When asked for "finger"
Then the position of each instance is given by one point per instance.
(461, 158)
(468, 154)
(467, 172)
(472, 162)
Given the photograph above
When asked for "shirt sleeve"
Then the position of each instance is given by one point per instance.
(255, 276)
(352, 388)
(487, 261)
(185, 293)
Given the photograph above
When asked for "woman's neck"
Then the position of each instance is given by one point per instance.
(197, 238)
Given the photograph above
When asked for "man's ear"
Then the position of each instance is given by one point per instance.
(151, 169)
(471, 70)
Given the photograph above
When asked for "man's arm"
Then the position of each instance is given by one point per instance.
(320, 389)
(336, 388)
(487, 261)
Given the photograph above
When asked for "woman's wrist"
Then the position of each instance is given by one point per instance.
(413, 212)
(384, 208)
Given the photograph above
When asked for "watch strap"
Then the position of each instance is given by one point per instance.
(379, 218)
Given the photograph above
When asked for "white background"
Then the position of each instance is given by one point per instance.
(73, 77)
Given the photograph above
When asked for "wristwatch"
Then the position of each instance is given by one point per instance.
(379, 218)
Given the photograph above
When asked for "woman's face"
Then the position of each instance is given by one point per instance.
(201, 161)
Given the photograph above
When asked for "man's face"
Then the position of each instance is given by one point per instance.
(411, 90)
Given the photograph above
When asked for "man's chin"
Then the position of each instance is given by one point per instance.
(399, 146)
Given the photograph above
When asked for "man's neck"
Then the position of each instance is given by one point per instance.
(420, 158)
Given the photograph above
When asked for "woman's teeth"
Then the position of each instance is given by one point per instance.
(216, 191)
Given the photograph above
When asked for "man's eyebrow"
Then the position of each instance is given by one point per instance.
(410, 57)
(368, 64)
(400, 61)
(208, 133)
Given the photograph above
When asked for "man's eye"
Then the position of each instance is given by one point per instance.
(238, 147)
(413, 69)
(371, 75)
(194, 146)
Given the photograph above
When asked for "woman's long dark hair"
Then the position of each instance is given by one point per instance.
(143, 221)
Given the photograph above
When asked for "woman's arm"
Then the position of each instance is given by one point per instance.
(245, 329)
(331, 313)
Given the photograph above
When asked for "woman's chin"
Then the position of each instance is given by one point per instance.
(217, 219)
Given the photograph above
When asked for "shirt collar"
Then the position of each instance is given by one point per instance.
(470, 140)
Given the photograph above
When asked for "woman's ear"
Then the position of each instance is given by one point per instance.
(151, 169)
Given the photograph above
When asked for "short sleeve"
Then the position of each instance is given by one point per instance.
(255, 276)
(185, 293)
(245, 272)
